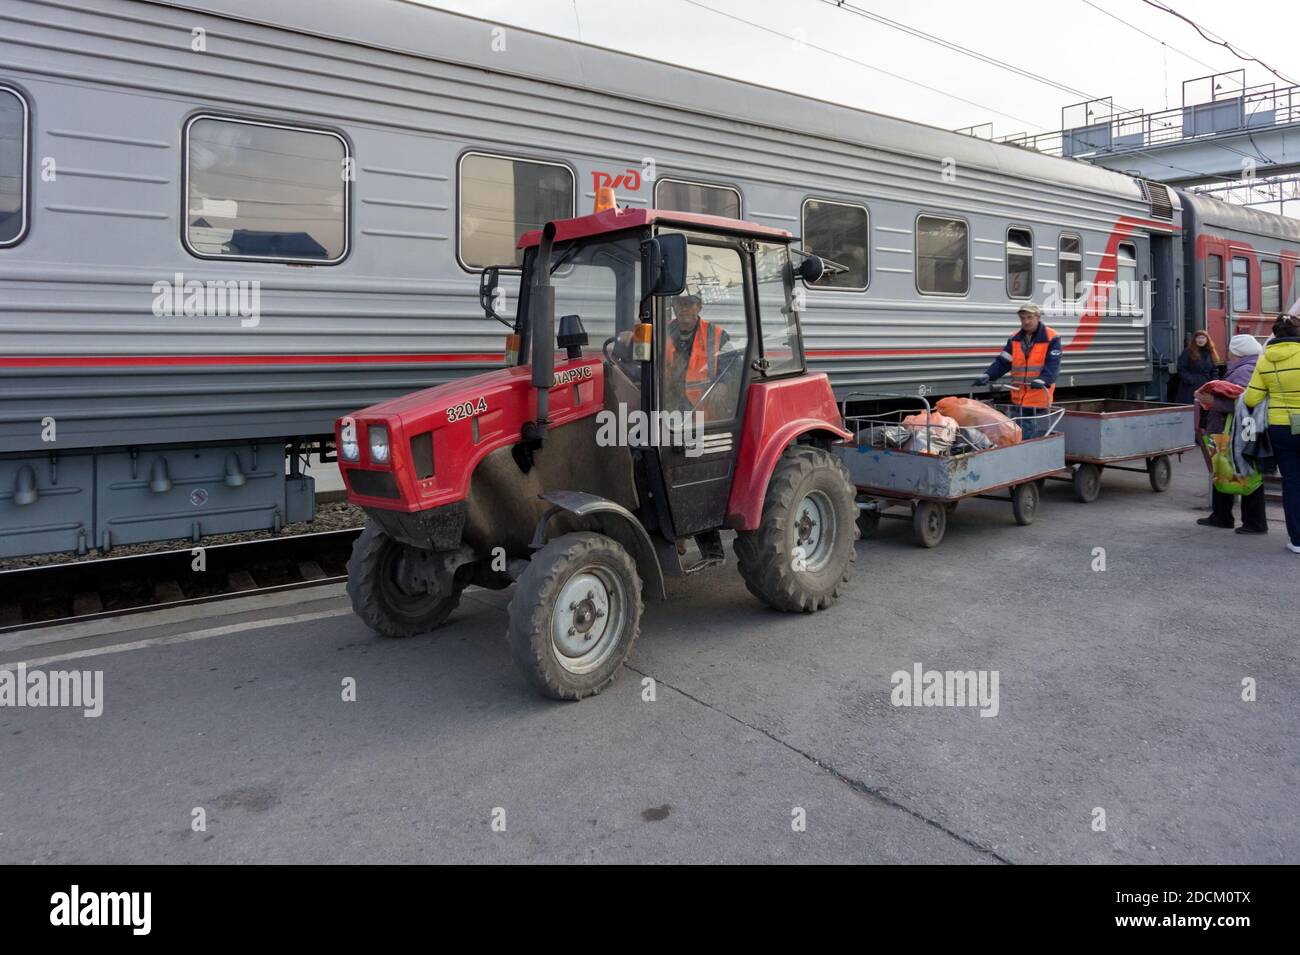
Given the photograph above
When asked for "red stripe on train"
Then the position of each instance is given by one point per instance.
(118, 361)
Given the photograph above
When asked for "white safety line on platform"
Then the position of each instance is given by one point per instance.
(148, 619)
(182, 637)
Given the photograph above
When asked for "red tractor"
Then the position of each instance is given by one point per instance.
(585, 479)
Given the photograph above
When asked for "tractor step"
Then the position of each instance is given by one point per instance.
(711, 552)
(703, 564)
(671, 553)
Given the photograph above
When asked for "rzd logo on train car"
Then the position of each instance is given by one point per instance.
(629, 179)
(467, 409)
(581, 373)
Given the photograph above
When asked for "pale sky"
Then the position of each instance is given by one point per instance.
(1069, 41)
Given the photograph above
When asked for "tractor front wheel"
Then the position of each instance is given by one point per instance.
(800, 553)
(381, 593)
(575, 614)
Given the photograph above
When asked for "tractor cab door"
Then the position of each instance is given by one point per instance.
(735, 322)
(703, 349)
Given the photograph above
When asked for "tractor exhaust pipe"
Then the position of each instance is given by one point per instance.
(541, 327)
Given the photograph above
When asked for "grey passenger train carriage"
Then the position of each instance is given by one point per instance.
(224, 224)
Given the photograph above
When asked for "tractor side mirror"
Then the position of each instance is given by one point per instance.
(487, 290)
(663, 265)
(811, 268)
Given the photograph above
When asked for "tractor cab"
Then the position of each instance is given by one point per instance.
(655, 394)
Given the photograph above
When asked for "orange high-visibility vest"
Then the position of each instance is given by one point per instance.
(702, 362)
(1025, 367)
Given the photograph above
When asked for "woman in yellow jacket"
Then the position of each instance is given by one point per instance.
(1277, 378)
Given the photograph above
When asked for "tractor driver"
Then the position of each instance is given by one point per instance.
(695, 362)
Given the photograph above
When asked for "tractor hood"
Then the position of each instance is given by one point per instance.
(436, 437)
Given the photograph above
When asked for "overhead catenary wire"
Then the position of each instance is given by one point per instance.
(1211, 37)
(1150, 36)
(870, 66)
(1031, 75)
(1165, 45)
(961, 49)
(862, 63)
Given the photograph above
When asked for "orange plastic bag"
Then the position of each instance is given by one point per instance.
(969, 413)
(932, 434)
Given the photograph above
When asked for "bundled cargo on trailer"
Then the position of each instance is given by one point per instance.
(989, 455)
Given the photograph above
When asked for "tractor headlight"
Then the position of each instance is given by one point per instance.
(378, 443)
(350, 450)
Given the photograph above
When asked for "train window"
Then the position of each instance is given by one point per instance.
(1069, 268)
(1214, 281)
(1020, 263)
(681, 195)
(265, 191)
(1270, 287)
(1126, 294)
(1240, 284)
(13, 166)
(838, 231)
(501, 198)
(942, 256)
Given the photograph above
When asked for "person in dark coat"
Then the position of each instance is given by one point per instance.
(1197, 365)
(1243, 353)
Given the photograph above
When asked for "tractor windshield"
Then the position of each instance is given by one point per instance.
(599, 281)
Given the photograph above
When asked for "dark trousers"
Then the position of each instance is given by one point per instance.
(1252, 509)
(1033, 421)
(1286, 448)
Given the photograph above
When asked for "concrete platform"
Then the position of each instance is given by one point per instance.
(1119, 689)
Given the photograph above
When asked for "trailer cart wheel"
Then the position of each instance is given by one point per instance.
(868, 521)
(929, 522)
(381, 593)
(801, 551)
(1159, 472)
(1024, 502)
(575, 614)
(1087, 482)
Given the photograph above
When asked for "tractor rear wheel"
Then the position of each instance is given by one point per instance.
(379, 595)
(801, 551)
(575, 614)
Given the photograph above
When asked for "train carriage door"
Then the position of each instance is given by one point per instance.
(1165, 320)
(1215, 301)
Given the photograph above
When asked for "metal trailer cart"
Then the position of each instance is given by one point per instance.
(931, 485)
(1109, 433)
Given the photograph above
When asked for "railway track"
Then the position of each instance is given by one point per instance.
(92, 589)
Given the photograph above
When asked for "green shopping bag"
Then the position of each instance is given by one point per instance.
(1225, 479)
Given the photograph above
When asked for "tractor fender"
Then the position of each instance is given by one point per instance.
(616, 521)
(754, 470)
(778, 413)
